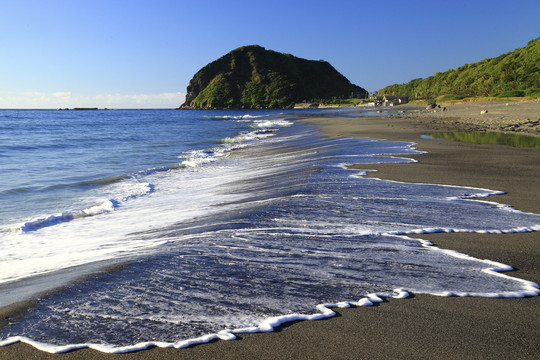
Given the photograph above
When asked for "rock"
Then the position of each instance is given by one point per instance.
(252, 77)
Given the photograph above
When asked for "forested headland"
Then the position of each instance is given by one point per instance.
(252, 77)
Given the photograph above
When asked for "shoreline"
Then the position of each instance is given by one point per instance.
(421, 326)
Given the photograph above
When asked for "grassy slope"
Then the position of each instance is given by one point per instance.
(515, 73)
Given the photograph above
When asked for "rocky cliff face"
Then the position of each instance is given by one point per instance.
(253, 77)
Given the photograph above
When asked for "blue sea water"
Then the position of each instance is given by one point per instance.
(51, 159)
(223, 222)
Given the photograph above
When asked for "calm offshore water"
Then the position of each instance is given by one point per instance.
(225, 222)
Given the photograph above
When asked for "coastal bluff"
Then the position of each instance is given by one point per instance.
(251, 77)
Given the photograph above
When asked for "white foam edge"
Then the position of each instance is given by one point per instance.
(196, 158)
(482, 193)
(497, 269)
(325, 311)
(272, 123)
(409, 145)
(41, 222)
(402, 160)
(103, 207)
(269, 324)
(235, 117)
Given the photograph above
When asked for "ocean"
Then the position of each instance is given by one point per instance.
(168, 228)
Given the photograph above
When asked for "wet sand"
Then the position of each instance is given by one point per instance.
(422, 326)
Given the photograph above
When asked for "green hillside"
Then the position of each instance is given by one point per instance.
(253, 77)
(513, 74)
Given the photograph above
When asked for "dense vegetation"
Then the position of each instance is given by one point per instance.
(253, 77)
(513, 74)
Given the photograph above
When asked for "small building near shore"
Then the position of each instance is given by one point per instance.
(390, 100)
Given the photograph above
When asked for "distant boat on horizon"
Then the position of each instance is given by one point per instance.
(81, 108)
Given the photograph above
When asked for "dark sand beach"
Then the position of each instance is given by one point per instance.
(421, 326)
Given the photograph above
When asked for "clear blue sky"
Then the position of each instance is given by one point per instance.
(120, 53)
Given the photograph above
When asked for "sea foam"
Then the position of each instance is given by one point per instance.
(129, 191)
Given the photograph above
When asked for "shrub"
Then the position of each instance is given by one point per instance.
(511, 93)
(450, 97)
(533, 92)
